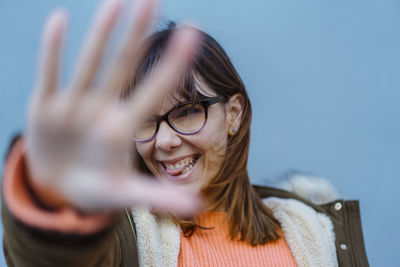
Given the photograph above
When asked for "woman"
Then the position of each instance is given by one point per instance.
(65, 179)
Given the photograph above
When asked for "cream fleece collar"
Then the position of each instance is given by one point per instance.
(308, 233)
(158, 240)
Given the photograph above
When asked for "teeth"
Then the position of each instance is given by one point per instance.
(188, 168)
(188, 163)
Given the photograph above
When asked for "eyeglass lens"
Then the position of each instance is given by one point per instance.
(186, 119)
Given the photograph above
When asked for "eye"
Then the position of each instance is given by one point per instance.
(145, 129)
(147, 122)
(187, 111)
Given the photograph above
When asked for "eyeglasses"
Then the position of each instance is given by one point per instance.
(186, 118)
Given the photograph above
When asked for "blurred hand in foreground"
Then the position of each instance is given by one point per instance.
(78, 139)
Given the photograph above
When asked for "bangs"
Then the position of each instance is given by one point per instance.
(188, 89)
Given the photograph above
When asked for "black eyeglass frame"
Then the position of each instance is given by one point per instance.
(165, 117)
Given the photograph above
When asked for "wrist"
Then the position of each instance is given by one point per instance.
(46, 197)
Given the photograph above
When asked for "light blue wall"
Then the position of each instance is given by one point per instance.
(323, 77)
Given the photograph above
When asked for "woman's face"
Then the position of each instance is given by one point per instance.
(188, 159)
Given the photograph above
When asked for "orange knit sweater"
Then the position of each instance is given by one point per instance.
(213, 247)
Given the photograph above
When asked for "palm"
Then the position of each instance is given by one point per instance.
(79, 139)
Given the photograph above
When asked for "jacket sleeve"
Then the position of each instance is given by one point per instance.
(35, 236)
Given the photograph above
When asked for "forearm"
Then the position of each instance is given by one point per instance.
(27, 246)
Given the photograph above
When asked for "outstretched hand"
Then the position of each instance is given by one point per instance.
(78, 139)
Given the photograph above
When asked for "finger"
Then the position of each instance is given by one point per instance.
(165, 78)
(128, 58)
(93, 192)
(50, 53)
(92, 50)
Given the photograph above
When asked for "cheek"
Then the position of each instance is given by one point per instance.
(145, 150)
(213, 141)
(215, 133)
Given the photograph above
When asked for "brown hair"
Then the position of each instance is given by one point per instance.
(230, 189)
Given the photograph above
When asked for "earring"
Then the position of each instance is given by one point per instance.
(234, 129)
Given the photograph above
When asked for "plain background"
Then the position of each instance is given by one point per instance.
(323, 78)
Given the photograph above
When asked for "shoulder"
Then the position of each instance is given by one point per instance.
(308, 191)
(307, 227)
(298, 204)
(311, 190)
(304, 203)
(315, 189)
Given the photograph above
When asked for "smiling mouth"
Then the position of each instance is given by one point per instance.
(180, 167)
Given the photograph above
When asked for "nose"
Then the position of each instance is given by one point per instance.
(167, 138)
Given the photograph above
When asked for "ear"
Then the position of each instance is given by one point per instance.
(234, 111)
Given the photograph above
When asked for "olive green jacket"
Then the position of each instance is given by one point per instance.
(117, 245)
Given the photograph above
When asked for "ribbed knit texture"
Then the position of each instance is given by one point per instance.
(214, 247)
